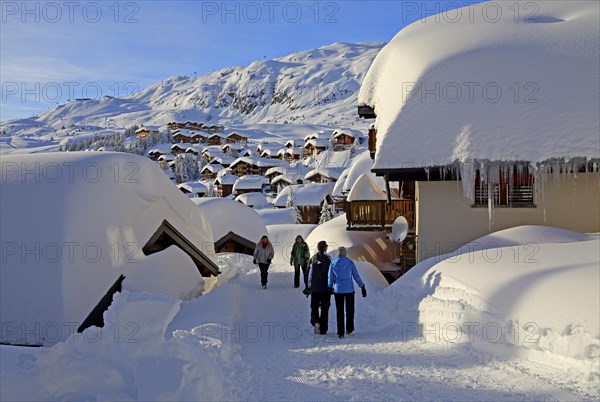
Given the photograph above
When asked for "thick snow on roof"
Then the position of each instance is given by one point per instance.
(514, 89)
(278, 216)
(212, 167)
(227, 179)
(250, 182)
(260, 162)
(311, 194)
(99, 209)
(318, 143)
(231, 216)
(362, 164)
(254, 200)
(365, 189)
(193, 187)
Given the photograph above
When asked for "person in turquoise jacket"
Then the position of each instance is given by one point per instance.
(341, 273)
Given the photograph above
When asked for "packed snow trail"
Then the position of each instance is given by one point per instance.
(276, 356)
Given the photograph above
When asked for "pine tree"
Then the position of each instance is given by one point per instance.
(291, 203)
(326, 213)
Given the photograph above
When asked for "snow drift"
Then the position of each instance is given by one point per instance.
(534, 287)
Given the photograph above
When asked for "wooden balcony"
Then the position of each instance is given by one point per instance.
(377, 215)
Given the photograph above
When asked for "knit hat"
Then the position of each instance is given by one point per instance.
(342, 251)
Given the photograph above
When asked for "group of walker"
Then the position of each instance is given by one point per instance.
(323, 277)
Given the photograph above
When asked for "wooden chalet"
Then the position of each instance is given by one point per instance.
(179, 148)
(215, 139)
(342, 140)
(236, 138)
(225, 184)
(234, 243)
(144, 132)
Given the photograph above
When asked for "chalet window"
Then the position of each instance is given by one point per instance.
(514, 189)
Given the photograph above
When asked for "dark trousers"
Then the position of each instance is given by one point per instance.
(319, 310)
(264, 273)
(297, 268)
(346, 299)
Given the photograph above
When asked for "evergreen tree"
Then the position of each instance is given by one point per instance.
(326, 213)
(291, 203)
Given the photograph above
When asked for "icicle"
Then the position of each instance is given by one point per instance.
(467, 178)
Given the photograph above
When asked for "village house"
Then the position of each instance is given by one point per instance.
(159, 149)
(315, 146)
(224, 183)
(146, 131)
(235, 138)
(235, 227)
(476, 167)
(342, 140)
(179, 148)
(249, 184)
(253, 165)
(307, 198)
(215, 139)
(194, 188)
(210, 171)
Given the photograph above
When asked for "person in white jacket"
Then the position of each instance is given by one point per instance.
(263, 255)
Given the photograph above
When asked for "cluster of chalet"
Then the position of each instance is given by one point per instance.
(255, 173)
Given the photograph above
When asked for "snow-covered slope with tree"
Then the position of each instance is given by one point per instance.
(316, 87)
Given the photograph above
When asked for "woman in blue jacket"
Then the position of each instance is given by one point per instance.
(341, 272)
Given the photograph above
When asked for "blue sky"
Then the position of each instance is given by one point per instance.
(53, 51)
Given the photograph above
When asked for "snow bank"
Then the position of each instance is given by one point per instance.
(72, 223)
(231, 216)
(126, 360)
(507, 89)
(542, 297)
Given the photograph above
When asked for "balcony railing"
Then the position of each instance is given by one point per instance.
(373, 215)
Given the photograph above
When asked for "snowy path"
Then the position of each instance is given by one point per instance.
(273, 354)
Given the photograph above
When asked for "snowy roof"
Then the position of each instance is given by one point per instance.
(222, 160)
(311, 194)
(148, 128)
(330, 173)
(110, 218)
(194, 147)
(160, 148)
(255, 200)
(226, 179)
(227, 216)
(274, 170)
(515, 89)
(180, 145)
(167, 157)
(250, 182)
(338, 189)
(318, 143)
(362, 164)
(365, 189)
(212, 167)
(233, 145)
(338, 133)
(293, 151)
(193, 187)
(260, 162)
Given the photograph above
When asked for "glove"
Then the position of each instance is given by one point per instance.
(254, 262)
(291, 264)
(307, 292)
(269, 262)
(364, 291)
(330, 291)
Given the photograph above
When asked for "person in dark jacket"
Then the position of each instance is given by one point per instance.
(263, 255)
(320, 298)
(341, 272)
(299, 260)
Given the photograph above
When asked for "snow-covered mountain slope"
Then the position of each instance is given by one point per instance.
(313, 87)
